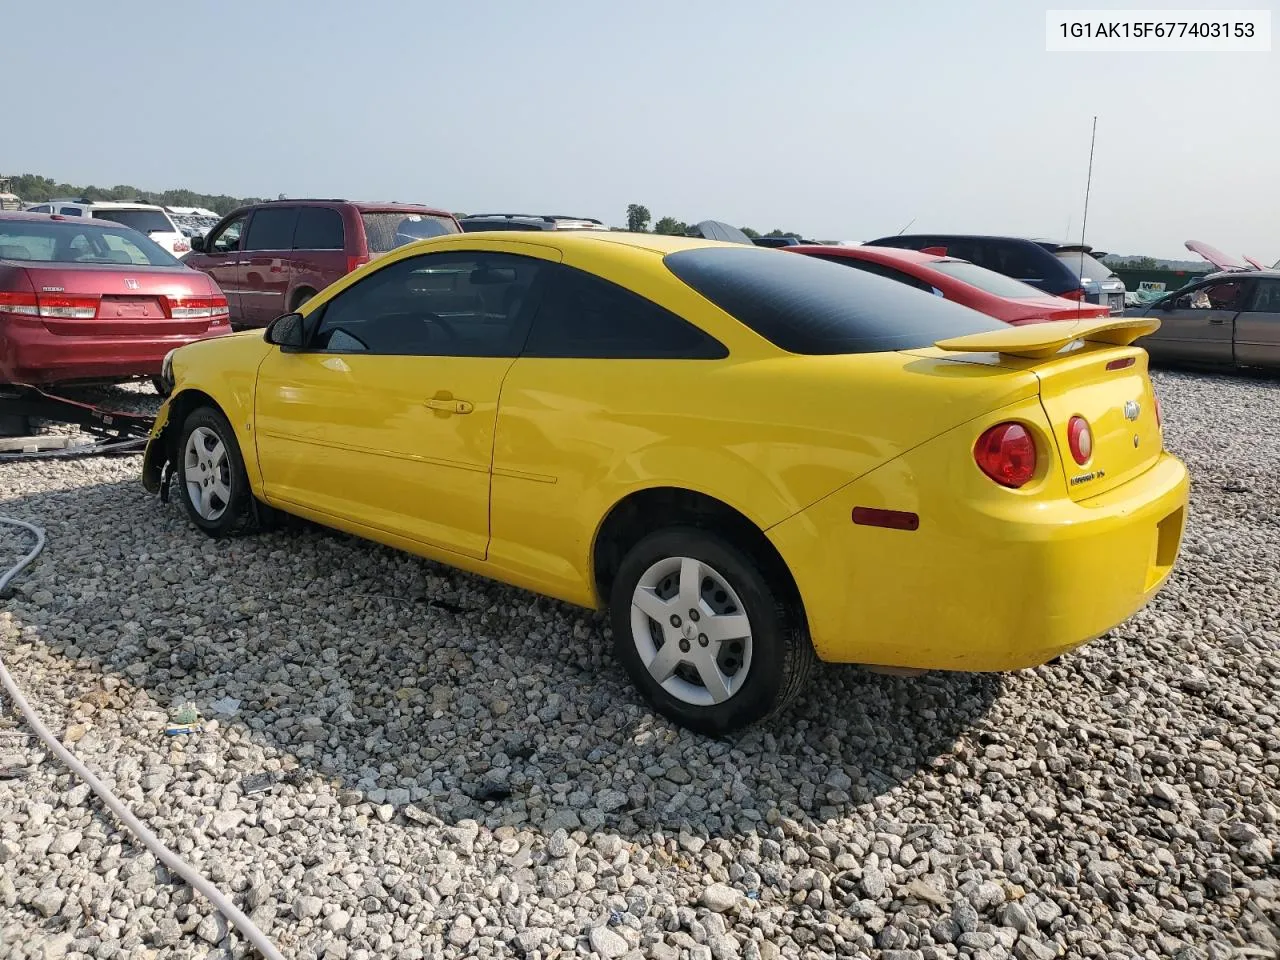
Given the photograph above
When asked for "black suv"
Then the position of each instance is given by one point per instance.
(1060, 269)
(776, 242)
(526, 221)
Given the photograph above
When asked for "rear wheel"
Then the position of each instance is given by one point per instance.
(211, 474)
(702, 633)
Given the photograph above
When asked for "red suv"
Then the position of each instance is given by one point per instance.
(270, 258)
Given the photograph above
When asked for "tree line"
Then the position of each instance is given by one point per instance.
(34, 188)
(638, 218)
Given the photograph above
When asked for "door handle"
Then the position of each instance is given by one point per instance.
(448, 405)
(1217, 320)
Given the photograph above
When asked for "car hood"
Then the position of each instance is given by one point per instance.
(1215, 256)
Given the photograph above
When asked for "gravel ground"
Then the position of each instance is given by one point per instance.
(441, 766)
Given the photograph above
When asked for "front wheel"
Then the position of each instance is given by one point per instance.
(211, 474)
(702, 633)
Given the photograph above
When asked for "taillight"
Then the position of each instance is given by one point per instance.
(1076, 294)
(51, 306)
(181, 246)
(1007, 454)
(1080, 439)
(353, 262)
(23, 303)
(196, 308)
(67, 308)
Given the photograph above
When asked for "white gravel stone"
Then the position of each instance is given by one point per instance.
(607, 944)
(439, 747)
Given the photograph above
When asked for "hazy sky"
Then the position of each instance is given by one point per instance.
(842, 119)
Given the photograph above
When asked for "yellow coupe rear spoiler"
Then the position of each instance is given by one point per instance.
(1039, 340)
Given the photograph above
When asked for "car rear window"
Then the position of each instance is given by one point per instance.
(387, 230)
(144, 221)
(984, 279)
(810, 306)
(1084, 266)
(79, 242)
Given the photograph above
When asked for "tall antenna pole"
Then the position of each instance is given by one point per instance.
(1088, 182)
(1084, 219)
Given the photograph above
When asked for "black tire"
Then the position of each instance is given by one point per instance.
(301, 296)
(782, 655)
(238, 509)
(158, 385)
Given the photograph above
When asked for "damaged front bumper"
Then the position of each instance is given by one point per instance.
(156, 461)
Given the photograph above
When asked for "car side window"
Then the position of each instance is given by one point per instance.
(228, 238)
(1224, 295)
(581, 315)
(971, 250)
(271, 228)
(1015, 260)
(70, 211)
(880, 270)
(1267, 297)
(461, 304)
(43, 208)
(318, 228)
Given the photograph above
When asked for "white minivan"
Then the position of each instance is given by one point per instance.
(147, 218)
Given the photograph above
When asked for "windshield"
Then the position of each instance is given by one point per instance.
(72, 242)
(812, 306)
(386, 231)
(144, 221)
(1084, 266)
(986, 280)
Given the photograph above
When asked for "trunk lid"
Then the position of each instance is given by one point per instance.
(1086, 368)
(130, 301)
(1110, 389)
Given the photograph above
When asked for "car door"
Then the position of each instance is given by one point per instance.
(1257, 329)
(603, 369)
(221, 260)
(266, 257)
(386, 418)
(1197, 325)
(319, 253)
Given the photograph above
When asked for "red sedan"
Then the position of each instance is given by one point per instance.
(88, 300)
(965, 283)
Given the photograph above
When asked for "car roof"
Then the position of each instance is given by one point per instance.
(542, 217)
(871, 253)
(975, 236)
(27, 215)
(364, 206)
(583, 240)
(1271, 273)
(114, 204)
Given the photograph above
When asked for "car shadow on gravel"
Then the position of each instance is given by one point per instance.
(396, 680)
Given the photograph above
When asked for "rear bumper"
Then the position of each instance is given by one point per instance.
(986, 586)
(30, 353)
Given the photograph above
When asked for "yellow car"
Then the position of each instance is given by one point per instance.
(753, 459)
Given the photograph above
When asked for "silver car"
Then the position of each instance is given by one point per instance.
(1226, 319)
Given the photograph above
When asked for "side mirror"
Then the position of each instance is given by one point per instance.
(197, 244)
(287, 332)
